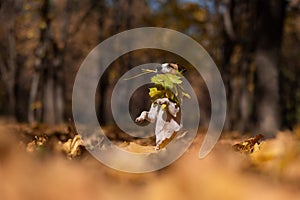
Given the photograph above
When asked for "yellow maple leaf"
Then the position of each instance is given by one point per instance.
(153, 91)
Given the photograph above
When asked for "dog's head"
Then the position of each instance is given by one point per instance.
(169, 68)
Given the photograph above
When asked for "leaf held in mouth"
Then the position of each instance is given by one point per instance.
(169, 86)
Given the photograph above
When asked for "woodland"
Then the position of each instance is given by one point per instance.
(254, 43)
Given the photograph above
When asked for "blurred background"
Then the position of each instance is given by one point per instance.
(255, 44)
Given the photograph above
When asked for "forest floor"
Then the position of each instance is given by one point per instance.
(33, 165)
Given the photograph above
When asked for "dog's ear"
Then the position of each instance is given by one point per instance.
(174, 66)
(181, 69)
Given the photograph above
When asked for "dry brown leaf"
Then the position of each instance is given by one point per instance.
(73, 147)
(38, 143)
(250, 145)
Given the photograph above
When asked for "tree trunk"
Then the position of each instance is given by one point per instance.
(13, 68)
(48, 100)
(46, 95)
(269, 36)
(228, 47)
(59, 98)
(8, 68)
(33, 110)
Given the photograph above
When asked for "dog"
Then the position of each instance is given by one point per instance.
(165, 112)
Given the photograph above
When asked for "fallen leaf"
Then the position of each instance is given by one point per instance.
(38, 143)
(250, 145)
(73, 147)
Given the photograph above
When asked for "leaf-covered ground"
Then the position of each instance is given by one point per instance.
(38, 162)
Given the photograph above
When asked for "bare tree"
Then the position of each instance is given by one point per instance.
(252, 39)
(48, 81)
(237, 67)
(119, 16)
(8, 56)
(270, 15)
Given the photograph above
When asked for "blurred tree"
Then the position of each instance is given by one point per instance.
(116, 16)
(47, 83)
(270, 18)
(289, 67)
(252, 41)
(60, 23)
(9, 13)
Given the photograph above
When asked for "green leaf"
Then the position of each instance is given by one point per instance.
(174, 78)
(169, 86)
(166, 80)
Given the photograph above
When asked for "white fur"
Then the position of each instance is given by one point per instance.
(163, 129)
